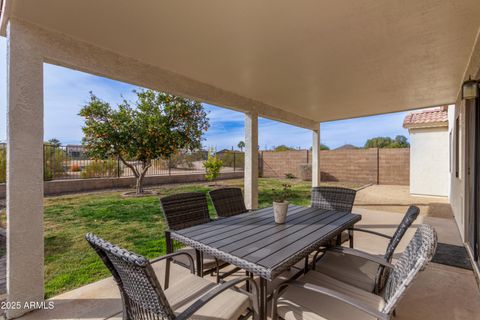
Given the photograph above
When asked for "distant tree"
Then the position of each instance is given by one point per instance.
(322, 147)
(283, 147)
(54, 142)
(158, 126)
(387, 142)
(241, 145)
(400, 142)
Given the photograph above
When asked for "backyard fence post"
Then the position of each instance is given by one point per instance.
(169, 164)
(118, 166)
(378, 166)
(234, 167)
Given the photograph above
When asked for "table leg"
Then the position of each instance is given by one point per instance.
(169, 243)
(263, 299)
(198, 255)
(350, 237)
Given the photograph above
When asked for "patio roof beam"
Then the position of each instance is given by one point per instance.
(65, 51)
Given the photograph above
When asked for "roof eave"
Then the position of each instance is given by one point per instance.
(426, 125)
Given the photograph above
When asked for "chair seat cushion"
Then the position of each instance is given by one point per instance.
(350, 269)
(297, 303)
(229, 304)
(208, 261)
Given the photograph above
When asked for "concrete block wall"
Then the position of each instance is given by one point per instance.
(349, 165)
(57, 187)
(383, 166)
(394, 166)
(277, 164)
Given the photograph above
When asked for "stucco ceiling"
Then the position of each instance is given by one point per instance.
(322, 60)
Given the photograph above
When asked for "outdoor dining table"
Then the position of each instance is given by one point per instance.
(255, 243)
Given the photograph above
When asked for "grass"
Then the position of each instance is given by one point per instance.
(134, 223)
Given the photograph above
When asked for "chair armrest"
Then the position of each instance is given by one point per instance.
(371, 232)
(178, 253)
(361, 254)
(215, 292)
(331, 293)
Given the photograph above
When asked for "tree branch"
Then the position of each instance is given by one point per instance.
(131, 166)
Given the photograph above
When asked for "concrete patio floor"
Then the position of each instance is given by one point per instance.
(440, 292)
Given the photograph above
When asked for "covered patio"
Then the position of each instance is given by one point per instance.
(440, 292)
(301, 63)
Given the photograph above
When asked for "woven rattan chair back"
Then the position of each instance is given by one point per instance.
(409, 217)
(418, 253)
(142, 295)
(333, 198)
(228, 201)
(185, 210)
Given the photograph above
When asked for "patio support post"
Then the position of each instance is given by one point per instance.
(316, 174)
(24, 170)
(251, 161)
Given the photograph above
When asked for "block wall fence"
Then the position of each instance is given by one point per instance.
(377, 166)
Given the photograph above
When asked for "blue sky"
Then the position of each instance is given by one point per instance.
(66, 91)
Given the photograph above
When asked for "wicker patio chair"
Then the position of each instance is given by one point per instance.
(355, 267)
(338, 199)
(190, 297)
(184, 210)
(228, 201)
(318, 296)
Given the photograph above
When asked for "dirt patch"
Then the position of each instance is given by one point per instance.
(389, 198)
(133, 194)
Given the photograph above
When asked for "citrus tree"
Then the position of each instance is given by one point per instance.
(156, 125)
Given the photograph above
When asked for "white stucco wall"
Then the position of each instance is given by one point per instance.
(429, 161)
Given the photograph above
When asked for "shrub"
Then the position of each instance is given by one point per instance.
(232, 159)
(100, 169)
(75, 167)
(3, 165)
(53, 160)
(212, 165)
(180, 160)
(289, 176)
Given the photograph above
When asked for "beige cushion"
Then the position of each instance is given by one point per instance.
(297, 303)
(353, 270)
(229, 304)
(208, 261)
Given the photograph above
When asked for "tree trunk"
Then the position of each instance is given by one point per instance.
(139, 186)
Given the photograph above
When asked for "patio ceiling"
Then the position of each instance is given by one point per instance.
(320, 60)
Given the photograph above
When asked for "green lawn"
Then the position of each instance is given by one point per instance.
(134, 223)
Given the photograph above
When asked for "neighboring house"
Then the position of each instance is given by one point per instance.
(76, 151)
(223, 151)
(429, 151)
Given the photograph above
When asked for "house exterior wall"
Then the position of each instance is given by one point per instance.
(429, 161)
(457, 184)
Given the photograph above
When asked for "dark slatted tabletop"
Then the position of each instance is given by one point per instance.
(255, 243)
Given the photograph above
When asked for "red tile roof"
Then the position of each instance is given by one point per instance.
(435, 117)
